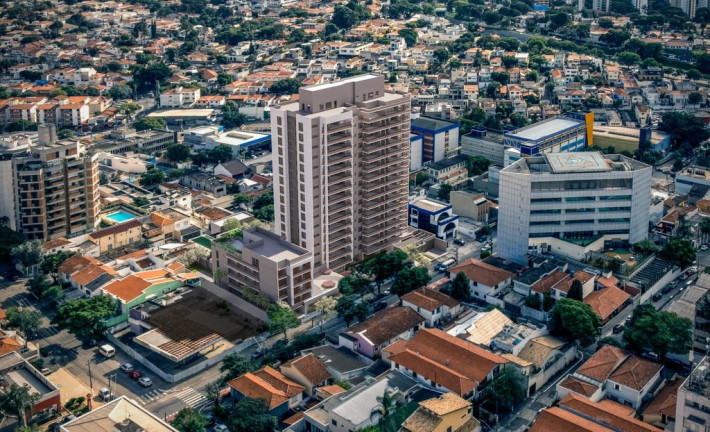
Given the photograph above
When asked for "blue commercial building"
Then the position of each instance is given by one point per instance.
(435, 217)
(440, 140)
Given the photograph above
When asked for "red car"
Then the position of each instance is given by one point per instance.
(136, 374)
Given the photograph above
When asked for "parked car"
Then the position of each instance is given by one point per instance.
(459, 241)
(105, 394)
(259, 353)
(704, 247)
(657, 297)
(281, 342)
(618, 329)
(220, 428)
(650, 356)
(127, 367)
(136, 374)
(666, 289)
(379, 306)
(68, 418)
(145, 381)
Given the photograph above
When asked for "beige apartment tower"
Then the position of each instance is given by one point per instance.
(341, 159)
(56, 190)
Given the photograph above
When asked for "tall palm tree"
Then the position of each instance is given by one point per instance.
(18, 401)
(387, 406)
(705, 228)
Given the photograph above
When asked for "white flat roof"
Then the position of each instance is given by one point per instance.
(183, 113)
(363, 77)
(543, 129)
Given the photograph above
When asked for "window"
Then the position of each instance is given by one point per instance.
(334, 423)
(616, 386)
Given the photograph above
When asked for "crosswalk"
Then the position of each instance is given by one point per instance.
(152, 396)
(192, 398)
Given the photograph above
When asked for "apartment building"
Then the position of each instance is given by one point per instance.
(341, 158)
(694, 304)
(440, 139)
(569, 202)
(266, 263)
(179, 96)
(55, 189)
(692, 407)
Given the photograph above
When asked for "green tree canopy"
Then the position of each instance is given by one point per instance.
(189, 420)
(18, 400)
(286, 86)
(662, 332)
(281, 318)
(459, 287)
(574, 320)
(384, 266)
(445, 192)
(350, 309)
(234, 365)
(505, 391)
(409, 279)
(231, 117)
(679, 251)
(28, 253)
(178, 152)
(151, 177)
(628, 58)
(120, 91)
(149, 123)
(85, 317)
(684, 128)
(221, 153)
(26, 320)
(251, 415)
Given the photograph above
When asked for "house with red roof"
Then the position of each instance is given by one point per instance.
(279, 392)
(612, 373)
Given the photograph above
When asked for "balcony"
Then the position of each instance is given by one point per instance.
(335, 149)
(338, 207)
(333, 227)
(338, 138)
(338, 178)
(339, 197)
(339, 158)
(341, 216)
(347, 186)
(334, 237)
(338, 128)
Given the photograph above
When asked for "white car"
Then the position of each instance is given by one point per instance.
(704, 247)
(220, 428)
(145, 381)
(127, 367)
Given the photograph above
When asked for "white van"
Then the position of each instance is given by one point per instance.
(105, 394)
(107, 350)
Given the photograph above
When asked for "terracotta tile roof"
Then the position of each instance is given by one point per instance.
(445, 404)
(119, 228)
(160, 220)
(387, 324)
(429, 299)
(127, 288)
(8, 344)
(605, 301)
(610, 281)
(212, 213)
(483, 273)
(558, 420)
(665, 401)
(310, 367)
(565, 285)
(602, 363)
(88, 274)
(332, 389)
(538, 350)
(578, 386)
(635, 372)
(73, 265)
(609, 413)
(458, 365)
(545, 284)
(51, 244)
(268, 384)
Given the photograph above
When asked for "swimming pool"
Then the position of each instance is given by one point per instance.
(120, 216)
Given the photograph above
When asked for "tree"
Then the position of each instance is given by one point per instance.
(693, 74)
(574, 320)
(422, 176)
(460, 289)
(189, 420)
(695, 98)
(65, 134)
(325, 306)
(178, 152)
(151, 177)
(120, 91)
(343, 17)
(221, 153)
(663, 332)
(354, 283)
(684, 128)
(281, 318)
(27, 254)
(26, 320)
(18, 400)
(442, 55)
(477, 165)
(149, 123)
(679, 251)
(140, 201)
(86, 316)
(628, 58)
(384, 266)
(387, 404)
(234, 365)
(349, 309)
(409, 36)
(409, 279)
(49, 263)
(145, 77)
(505, 391)
(576, 291)
(241, 198)
(251, 415)
(445, 191)
(286, 86)
(605, 23)
(37, 285)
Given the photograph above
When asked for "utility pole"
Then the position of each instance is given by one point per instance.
(91, 381)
